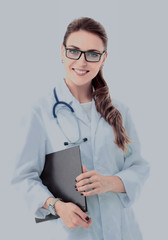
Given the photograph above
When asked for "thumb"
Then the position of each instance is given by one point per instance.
(84, 168)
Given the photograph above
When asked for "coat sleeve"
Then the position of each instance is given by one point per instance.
(135, 170)
(29, 166)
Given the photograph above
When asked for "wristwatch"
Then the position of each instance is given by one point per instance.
(51, 206)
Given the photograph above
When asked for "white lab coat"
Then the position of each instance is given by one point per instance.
(111, 213)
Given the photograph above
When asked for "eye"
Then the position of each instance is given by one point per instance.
(73, 51)
(93, 54)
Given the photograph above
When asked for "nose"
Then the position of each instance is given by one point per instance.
(82, 60)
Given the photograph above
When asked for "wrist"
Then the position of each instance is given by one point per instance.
(58, 206)
(48, 202)
(109, 183)
(115, 184)
(51, 206)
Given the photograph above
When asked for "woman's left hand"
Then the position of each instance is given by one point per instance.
(92, 181)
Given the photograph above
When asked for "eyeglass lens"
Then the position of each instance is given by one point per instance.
(90, 56)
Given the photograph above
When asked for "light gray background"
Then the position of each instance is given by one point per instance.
(136, 70)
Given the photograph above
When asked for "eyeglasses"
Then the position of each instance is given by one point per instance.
(90, 56)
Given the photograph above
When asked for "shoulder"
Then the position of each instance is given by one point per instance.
(118, 104)
(122, 107)
(41, 106)
(44, 101)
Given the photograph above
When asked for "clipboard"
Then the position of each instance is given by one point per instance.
(59, 173)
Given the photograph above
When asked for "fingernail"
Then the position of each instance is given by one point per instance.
(87, 218)
(75, 180)
(81, 194)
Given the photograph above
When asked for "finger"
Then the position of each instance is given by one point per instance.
(87, 181)
(78, 221)
(84, 168)
(83, 182)
(91, 192)
(81, 214)
(87, 187)
(85, 175)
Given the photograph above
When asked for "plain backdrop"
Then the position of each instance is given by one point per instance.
(136, 70)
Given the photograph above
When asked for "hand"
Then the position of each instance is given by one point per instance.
(72, 215)
(93, 181)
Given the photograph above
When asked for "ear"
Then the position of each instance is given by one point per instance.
(104, 59)
(62, 51)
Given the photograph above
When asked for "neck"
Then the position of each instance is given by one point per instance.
(82, 93)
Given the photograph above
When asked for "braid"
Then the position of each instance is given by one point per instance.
(101, 95)
(111, 114)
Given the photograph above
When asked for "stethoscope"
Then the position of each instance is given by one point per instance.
(69, 142)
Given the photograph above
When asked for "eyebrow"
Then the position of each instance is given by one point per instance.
(95, 50)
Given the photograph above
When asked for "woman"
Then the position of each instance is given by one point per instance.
(113, 169)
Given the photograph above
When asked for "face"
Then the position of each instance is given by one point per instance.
(80, 72)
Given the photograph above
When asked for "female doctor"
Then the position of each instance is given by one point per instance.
(80, 111)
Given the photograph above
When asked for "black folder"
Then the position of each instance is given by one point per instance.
(59, 173)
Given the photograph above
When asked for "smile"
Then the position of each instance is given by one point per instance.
(80, 72)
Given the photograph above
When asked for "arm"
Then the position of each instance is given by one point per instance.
(98, 183)
(27, 177)
(30, 164)
(114, 184)
(135, 170)
(70, 213)
(128, 182)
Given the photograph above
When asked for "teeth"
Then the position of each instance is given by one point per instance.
(80, 72)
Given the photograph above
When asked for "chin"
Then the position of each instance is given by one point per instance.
(81, 83)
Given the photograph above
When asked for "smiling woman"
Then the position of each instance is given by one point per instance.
(113, 168)
(81, 60)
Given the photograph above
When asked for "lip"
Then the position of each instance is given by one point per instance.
(83, 70)
(81, 73)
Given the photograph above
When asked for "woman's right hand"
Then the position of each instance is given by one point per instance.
(72, 215)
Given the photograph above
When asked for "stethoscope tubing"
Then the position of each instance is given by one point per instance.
(79, 140)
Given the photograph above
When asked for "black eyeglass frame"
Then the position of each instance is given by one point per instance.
(100, 54)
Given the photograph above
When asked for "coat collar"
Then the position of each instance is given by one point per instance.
(64, 94)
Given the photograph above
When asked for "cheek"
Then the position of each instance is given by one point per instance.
(94, 70)
(68, 66)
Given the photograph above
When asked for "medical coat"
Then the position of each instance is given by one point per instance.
(111, 213)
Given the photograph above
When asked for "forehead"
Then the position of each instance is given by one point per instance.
(85, 40)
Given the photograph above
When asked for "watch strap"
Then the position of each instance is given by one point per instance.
(51, 206)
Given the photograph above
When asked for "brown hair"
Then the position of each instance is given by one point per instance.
(101, 94)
